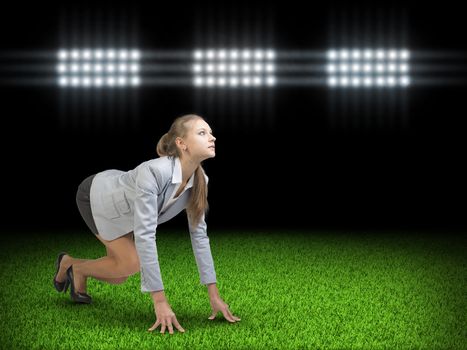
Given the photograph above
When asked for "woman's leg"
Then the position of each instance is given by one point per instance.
(121, 261)
(68, 260)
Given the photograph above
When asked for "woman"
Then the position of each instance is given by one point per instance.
(123, 210)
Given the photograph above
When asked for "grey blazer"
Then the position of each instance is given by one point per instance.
(122, 202)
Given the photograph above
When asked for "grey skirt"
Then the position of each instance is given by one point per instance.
(84, 203)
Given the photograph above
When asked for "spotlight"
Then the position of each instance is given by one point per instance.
(252, 67)
(123, 54)
(198, 54)
(98, 82)
(135, 54)
(404, 81)
(110, 54)
(358, 67)
(61, 68)
(271, 81)
(98, 54)
(234, 54)
(91, 68)
(332, 55)
(62, 55)
(222, 81)
(198, 81)
(270, 55)
(222, 54)
(86, 54)
(259, 54)
(210, 54)
(332, 81)
(74, 54)
(233, 81)
(63, 81)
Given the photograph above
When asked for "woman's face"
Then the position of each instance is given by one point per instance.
(199, 140)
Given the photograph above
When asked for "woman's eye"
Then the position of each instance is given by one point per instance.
(201, 133)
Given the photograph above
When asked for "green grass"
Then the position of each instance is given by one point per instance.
(313, 290)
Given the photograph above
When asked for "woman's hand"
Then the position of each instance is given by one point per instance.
(217, 304)
(165, 317)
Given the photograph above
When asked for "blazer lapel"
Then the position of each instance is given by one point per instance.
(173, 181)
(172, 185)
(167, 194)
(175, 208)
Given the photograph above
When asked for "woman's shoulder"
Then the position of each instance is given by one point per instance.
(162, 165)
(160, 162)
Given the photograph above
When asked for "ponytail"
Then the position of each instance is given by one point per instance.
(198, 203)
(163, 145)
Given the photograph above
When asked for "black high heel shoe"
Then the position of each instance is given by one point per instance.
(78, 297)
(60, 286)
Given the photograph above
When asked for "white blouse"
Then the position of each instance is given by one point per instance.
(172, 200)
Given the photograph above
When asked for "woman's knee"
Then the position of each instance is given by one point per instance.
(130, 266)
(123, 251)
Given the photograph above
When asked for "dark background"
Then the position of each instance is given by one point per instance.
(285, 158)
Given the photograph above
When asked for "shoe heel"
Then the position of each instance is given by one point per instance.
(77, 297)
(69, 279)
(59, 286)
(67, 284)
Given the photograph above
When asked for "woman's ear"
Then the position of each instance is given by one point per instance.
(180, 143)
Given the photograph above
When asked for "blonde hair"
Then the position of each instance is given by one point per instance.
(198, 202)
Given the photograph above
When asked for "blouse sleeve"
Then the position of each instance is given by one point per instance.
(202, 251)
(145, 224)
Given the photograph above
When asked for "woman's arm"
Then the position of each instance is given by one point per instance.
(212, 290)
(145, 225)
(202, 251)
(158, 296)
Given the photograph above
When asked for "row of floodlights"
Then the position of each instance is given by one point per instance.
(234, 81)
(86, 81)
(124, 54)
(357, 54)
(98, 54)
(97, 68)
(222, 81)
(224, 74)
(368, 68)
(234, 68)
(354, 81)
(234, 54)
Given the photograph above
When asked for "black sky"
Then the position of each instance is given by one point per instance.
(283, 157)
